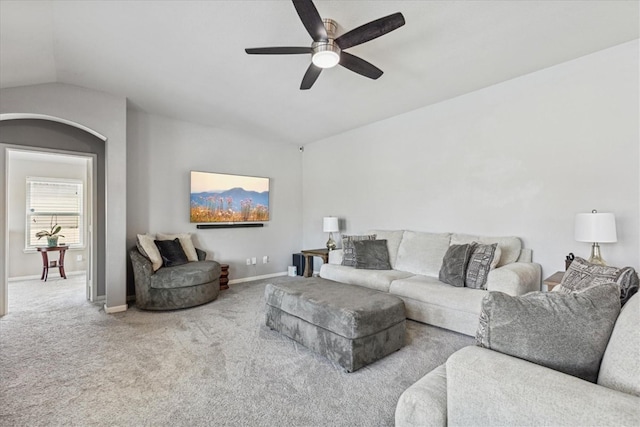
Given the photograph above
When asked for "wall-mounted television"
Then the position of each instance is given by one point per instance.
(218, 197)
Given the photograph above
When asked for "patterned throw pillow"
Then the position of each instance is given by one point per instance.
(349, 254)
(479, 265)
(582, 275)
(454, 264)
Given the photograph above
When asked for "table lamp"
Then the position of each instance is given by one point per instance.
(330, 225)
(596, 228)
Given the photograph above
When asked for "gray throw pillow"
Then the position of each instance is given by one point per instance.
(454, 265)
(171, 252)
(479, 265)
(372, 254)
(348, 253)
(582, 275)
(565, 332)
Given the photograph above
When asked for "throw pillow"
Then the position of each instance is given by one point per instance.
(582, 275)
(185, 241)
(147, 248)
(454, 264)
(348, 254)
(171, 252)
(479, 265)
(372, 254)
(565, 332)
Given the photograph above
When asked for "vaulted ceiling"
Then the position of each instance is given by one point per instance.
(186, 59)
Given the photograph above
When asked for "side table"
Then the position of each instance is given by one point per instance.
(224, 276)
(44, 250)
(553, 280)
(308, 259)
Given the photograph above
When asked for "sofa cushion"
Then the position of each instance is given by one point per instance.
(148, 249)
(564, 332)
(393, 238)
(190, 274)
(620, 367)
(374, 279)
(372, 255)
(171, 252)
(480, 261)
(510, 247)
(430, 290)
(348, 252)
(454, 265)
(582, 275)
(185, 241)
(422, 253)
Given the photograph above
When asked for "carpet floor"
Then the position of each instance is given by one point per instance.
(63, 361)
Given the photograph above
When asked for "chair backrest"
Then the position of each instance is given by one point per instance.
(620, 367)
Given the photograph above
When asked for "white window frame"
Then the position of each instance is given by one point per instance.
(82, 234)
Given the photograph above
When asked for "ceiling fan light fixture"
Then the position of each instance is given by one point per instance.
(325, 54)
(325, 59)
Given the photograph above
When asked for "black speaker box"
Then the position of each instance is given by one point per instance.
(298, 261)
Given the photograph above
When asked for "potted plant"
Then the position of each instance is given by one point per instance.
(52, 235)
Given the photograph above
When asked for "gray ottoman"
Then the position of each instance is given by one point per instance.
(350, 325)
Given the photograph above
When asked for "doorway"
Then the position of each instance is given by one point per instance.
(46, 187)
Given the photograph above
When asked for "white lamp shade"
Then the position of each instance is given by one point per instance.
(596, 228)
(330, 224)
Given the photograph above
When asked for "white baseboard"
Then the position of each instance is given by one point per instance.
(116, 309)
(51, 276)
(251, 279)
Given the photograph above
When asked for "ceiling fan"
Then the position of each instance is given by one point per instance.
(327, 50)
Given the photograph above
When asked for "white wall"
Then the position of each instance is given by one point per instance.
(161, 154)
(28, 264)
(518, 158)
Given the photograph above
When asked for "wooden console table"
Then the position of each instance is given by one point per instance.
(308, 259)
(224, 276)
(45, 260)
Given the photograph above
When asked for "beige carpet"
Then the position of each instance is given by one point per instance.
(63, 361)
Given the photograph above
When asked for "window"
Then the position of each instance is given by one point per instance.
(54, 201)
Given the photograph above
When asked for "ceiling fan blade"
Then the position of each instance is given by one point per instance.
(277, 50)
(370, 31)
(310, 77)
(311, 19)
(359, 65)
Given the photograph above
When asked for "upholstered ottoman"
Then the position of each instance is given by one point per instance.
(350, 325)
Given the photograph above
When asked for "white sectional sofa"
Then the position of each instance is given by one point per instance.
(416, 258)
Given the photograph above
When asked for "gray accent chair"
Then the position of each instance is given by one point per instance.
(481, 387)
(171, 288)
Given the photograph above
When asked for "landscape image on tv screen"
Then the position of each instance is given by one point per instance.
(217, 197)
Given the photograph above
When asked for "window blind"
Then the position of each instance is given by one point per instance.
(51, 201)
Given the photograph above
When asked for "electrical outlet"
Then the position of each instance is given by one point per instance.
(254, 261)
(265, 259)
(248, 261)
(79, 258)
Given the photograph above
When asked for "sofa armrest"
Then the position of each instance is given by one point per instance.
(335, 256)
(485, 387)
(425, 402)
(517, 278)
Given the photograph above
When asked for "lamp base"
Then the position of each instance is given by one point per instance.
(331, 244)
(595, 257)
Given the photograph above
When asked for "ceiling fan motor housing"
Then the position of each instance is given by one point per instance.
(326, 54)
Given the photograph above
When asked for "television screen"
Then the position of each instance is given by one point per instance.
(217, 197)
